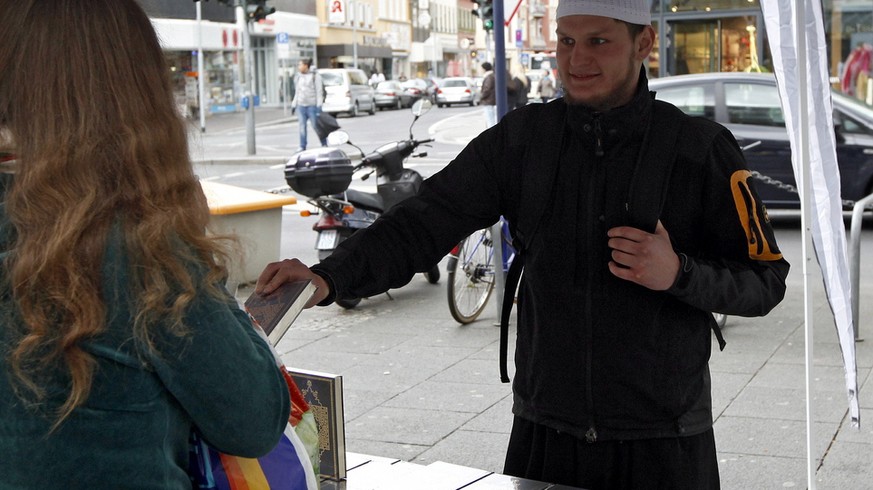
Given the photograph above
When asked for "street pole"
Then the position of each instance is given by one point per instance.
(500, 59)
(201, 90)
(488, 56)
(354, 7)
(500, 89)
(433, 54)
(250, 87)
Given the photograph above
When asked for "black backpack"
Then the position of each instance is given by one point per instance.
(649, 191)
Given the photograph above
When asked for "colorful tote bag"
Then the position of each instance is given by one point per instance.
(291, 465)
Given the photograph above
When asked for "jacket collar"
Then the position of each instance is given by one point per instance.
(618, 123)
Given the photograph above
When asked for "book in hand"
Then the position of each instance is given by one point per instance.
(324, 394)
(276, 311)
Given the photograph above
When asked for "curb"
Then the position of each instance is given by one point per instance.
(243, 160)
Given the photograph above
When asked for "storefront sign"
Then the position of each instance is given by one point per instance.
(283, 50)
(337, 12)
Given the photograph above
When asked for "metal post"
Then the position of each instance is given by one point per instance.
(855, 259)
(354, 7)
(285, 87)
(201, 90)
(499, 273)
(500, 59)
(488, 56)
(433, 55)
(250, 87)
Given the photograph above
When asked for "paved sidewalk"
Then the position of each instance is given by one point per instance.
(423, 389)
(264, 116)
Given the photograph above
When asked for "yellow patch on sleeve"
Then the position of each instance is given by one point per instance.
(751, 218)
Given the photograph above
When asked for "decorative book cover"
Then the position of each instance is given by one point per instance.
(324, 394)
(276, 311)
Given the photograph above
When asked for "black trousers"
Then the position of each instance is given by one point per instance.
(540, 453)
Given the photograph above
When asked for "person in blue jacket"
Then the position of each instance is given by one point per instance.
(117, 336)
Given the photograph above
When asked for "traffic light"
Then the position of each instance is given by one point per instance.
(257, 10)
(485, 11)
(474, 54)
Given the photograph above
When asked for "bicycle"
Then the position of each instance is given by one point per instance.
(471, 272)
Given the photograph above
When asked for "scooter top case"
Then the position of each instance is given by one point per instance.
(319, 172)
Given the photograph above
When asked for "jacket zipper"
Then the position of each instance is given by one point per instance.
(598, 137)
(590, 225)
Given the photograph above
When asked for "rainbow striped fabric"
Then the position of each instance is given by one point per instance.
(291, 465)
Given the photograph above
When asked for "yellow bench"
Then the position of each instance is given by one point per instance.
(254, 216)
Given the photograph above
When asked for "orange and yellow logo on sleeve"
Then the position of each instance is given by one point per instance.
(761, 245)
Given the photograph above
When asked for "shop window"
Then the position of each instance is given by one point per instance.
(749, 103)
(695, 100)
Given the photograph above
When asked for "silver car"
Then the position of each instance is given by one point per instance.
(456, 90)
(348, 91)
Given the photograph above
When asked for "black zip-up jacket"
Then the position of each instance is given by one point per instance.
(596, 356)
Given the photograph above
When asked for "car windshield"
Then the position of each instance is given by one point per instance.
(454, 83)
(419, 84)
(331, 79)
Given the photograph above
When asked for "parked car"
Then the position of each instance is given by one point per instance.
(421, 88)
(456, 90)
(391, 94)
(748, 105)
(348, 91)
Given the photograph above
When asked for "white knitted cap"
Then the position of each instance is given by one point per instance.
(631, 11)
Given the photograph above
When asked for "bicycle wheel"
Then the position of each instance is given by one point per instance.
(471, 277)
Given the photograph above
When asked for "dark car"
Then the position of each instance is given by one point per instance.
(421, 88)
(391, 94)
(748, 105)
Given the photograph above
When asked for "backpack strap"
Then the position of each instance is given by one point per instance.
(512, 278)
(539, 174)
(647, 191)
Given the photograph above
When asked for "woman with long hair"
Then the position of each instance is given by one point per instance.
(117, 337)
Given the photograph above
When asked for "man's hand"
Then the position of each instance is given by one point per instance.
(278, 273)
(644, 258)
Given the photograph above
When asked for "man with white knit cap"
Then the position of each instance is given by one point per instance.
(633, 221)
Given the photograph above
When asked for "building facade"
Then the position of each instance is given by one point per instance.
(409, 38)
(220, 34)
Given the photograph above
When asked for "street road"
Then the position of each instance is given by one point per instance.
(450, 127)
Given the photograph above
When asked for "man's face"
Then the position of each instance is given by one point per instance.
(302, 68)
(598, 61)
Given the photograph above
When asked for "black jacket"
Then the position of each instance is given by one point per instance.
(596, 356)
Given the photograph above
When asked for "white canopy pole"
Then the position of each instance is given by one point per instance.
(795, 30)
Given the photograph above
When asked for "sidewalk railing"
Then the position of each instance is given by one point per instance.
(855, 257)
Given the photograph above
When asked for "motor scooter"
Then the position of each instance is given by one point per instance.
(324, 175)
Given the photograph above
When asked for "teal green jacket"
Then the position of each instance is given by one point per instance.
(133, 430)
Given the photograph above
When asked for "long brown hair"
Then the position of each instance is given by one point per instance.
(86, 98)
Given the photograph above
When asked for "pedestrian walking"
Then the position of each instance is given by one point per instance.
(488, 99)
(308, 99)
(546, 88)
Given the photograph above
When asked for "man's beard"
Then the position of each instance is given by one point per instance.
(602, 103)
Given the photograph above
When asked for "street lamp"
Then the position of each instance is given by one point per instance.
(354, 8)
